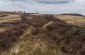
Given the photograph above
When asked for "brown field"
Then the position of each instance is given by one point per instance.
(75, 20)
(42, 34)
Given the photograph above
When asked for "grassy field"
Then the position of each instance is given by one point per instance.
(42, 34)
(75, 20)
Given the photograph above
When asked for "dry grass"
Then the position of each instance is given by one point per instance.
(62, 35)
(9, 18)
(3, 29)
(74, 20)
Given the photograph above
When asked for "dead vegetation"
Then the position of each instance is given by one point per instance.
(11, 35)
(42, 35)
(74, 20)
(3, 15)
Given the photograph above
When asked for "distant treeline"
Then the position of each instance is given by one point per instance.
(13, 13)
(73, 14)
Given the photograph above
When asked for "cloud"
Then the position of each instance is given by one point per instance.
(54, 1)
(44, 1)
(21, 0)
(44, 6)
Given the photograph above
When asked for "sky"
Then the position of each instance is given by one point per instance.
(44, 6)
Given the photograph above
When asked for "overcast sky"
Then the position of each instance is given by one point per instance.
(44, 6)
